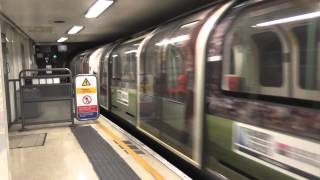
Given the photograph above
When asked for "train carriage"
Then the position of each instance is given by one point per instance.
(261, 91)
(233, 88)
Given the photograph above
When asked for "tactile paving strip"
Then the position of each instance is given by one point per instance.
(105, 161)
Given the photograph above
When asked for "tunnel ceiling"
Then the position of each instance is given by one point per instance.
(124, 17)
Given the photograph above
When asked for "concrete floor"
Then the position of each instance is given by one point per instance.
(60, 158)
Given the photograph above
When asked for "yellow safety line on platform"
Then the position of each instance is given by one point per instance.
(134, 155)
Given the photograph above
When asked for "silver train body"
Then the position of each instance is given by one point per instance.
(234, 89)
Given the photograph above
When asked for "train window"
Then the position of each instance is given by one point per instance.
(269, 55)
(272, 50)
(254, 61)
(308, 42)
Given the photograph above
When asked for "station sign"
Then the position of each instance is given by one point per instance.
(87, 106)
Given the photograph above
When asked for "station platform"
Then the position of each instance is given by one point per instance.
(90, 150)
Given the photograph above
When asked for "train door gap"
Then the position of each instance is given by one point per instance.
(129, 114)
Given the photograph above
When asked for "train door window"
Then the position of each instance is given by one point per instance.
(130, 63)
(127, 60)
(152, 67)
(116, 69)
(179, 64)
(308, 41)
(306, 44)
(174, 72)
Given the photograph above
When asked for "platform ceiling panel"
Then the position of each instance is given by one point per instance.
(124, 17)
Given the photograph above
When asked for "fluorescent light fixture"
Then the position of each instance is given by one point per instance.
(290, 19)
(75, 29)
(62, 39)
(214, 58)
(98, 8)
(189, 24)
(131, 51)
(173, 40)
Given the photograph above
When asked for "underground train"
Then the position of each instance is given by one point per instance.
(234, 88)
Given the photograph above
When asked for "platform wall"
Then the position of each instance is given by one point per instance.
(4, 144)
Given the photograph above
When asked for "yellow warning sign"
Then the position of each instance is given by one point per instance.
(86, 82)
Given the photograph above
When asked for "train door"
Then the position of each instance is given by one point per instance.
(168, 76)
(6, 74)
(163, 87)
(123, 84)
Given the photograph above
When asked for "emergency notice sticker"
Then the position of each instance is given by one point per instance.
(87, 107)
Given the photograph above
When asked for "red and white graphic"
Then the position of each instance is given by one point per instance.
(86, 99)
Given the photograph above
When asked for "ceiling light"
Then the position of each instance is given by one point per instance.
(97, 8)
(131, 51)
(174, 40)
(62, 39)
(290, 19)
(58, 21)
(75, 29)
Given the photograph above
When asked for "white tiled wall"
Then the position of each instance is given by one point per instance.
(4, 144)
